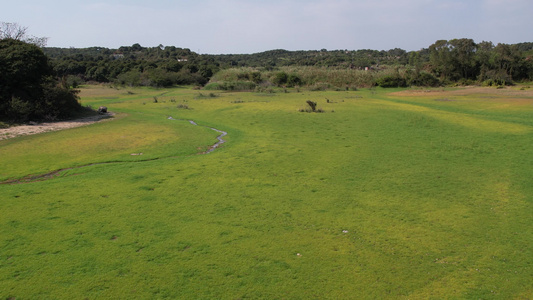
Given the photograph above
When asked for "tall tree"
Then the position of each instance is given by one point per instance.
(28, 89)
(484, 58)
(507, 58)
(441, 58)
(463, 57)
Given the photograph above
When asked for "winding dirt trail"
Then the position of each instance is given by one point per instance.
(53, 174)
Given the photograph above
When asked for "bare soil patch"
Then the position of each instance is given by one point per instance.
(469, 90)
(35, 128)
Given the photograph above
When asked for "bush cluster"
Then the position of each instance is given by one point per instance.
(29, 90)
(317, 78)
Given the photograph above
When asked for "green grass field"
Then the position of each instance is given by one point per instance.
(389, 194)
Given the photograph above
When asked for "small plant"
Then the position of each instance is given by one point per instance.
(312, 107)
(311, 104)
(391, 81)
(183, 106)
(155, 99)
(319, 86)
(173, 100)
(210, 95)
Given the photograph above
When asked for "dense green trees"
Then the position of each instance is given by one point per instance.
(444, 62)
(464, 60)
(133, 65)
(28, 88)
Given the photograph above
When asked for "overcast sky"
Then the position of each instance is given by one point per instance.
(251, 26)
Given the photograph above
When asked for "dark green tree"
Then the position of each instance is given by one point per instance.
(484, 58)
(441, 59)
(28, 88)
(507, 58)
(463, 57)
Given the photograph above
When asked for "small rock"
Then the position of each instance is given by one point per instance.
(102, 109)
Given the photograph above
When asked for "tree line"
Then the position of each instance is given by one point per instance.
(462, 60)
(132, 65)
(455, 61)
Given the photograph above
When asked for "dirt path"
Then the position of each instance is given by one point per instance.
(11, 132)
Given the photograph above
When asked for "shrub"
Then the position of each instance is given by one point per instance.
(210, 95)
(231, 86)
(161, 78)
(214, 86)
(425, 79)
(255, 77)
(293, 80)
(241, 86)
(319, 86)
(311, 104)
(20, 108)
(73, 81)
(497, 78)
(315, 78)
(389, 81)
(280, 78)
(131, 78)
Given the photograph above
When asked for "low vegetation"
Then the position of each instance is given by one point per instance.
(401, 193)
(310, 78)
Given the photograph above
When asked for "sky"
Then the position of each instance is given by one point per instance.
(252, 26)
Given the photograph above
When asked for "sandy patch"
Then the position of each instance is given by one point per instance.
(11, 132)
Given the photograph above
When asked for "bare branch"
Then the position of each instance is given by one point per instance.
(12, 31)
(37, 41)
(17, 32)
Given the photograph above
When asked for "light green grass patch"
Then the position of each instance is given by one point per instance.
(388, 196)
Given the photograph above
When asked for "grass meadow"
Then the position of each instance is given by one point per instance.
(388, 194)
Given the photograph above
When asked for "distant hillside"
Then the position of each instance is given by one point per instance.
(451, 61)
